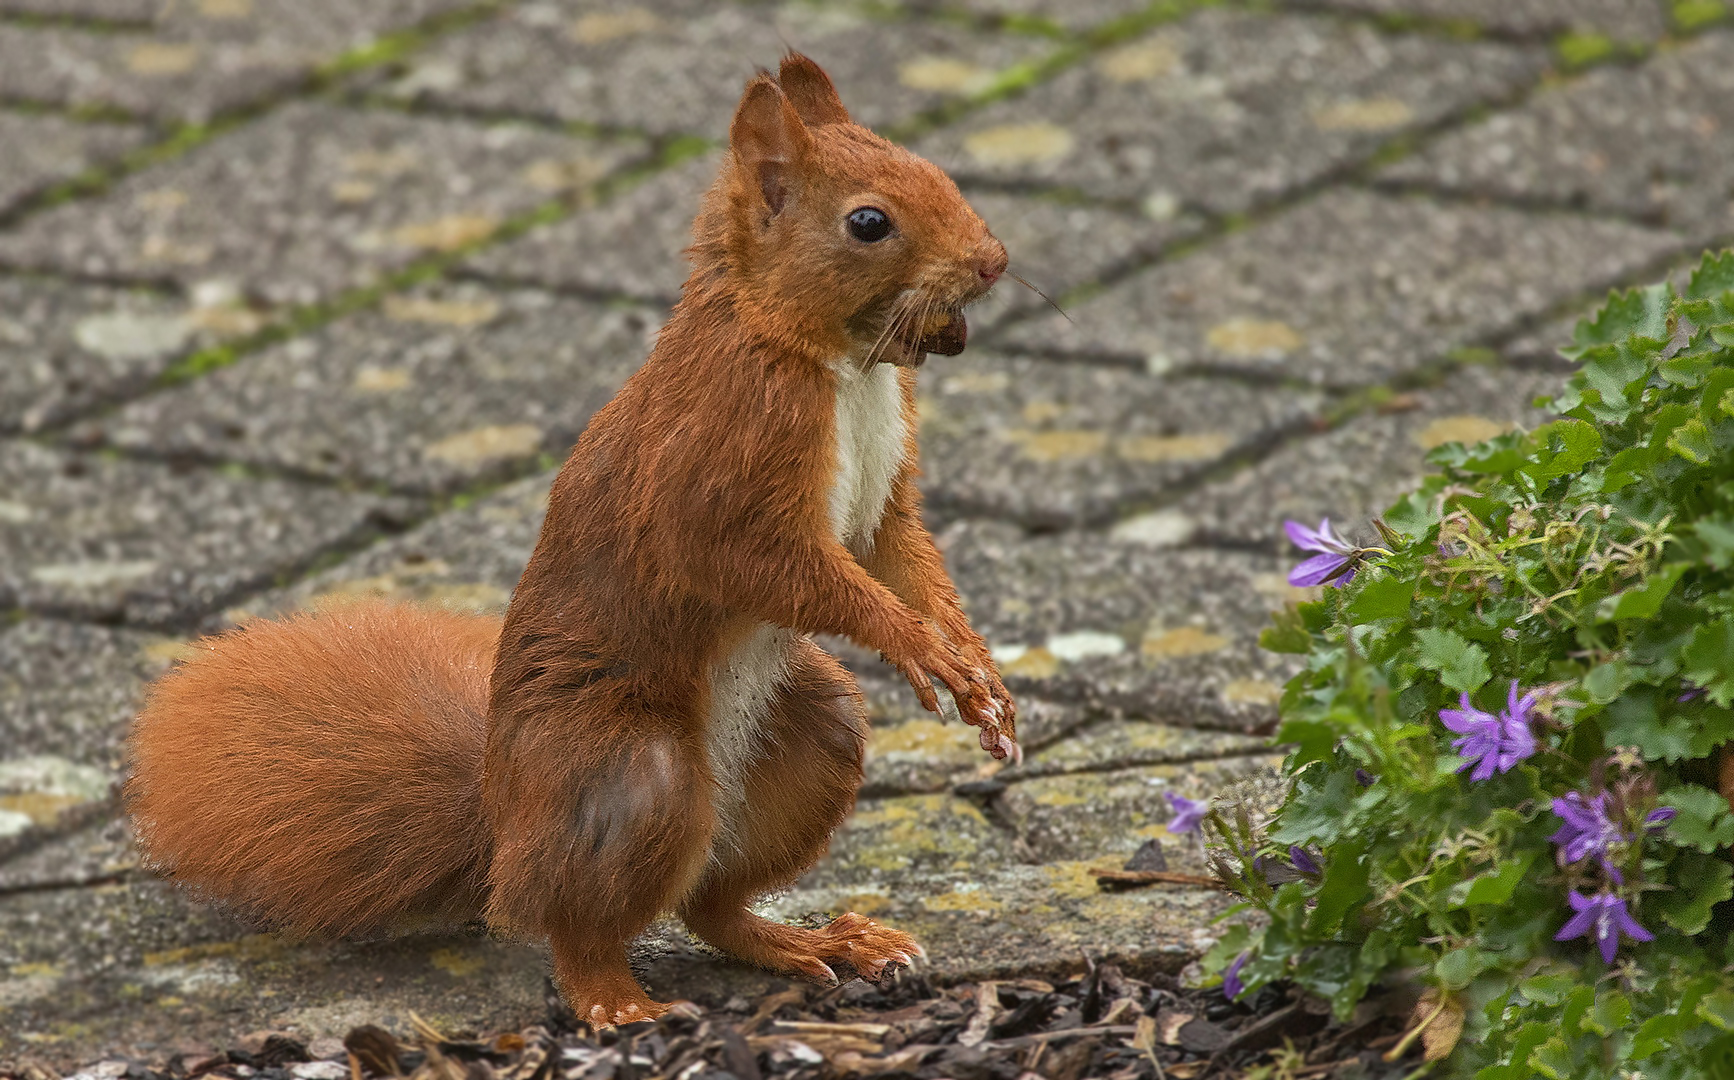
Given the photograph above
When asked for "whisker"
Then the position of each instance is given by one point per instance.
(1041, 294)
(887, 332)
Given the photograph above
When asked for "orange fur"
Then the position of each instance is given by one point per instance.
(660, 735)
(323, 771)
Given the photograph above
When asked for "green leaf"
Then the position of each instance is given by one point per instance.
(1643, 312)
(1717, 535)
(1716, 1060)
(1657, 1034)
(1313, 740)
(1553, 1059)
(1691, 441)
(1287, 633)
(1606, 682)
(1381, 597)
(1629, 465)
(1701, 820)
(1643, 600)
(1700, 883)
(1569, 446)
(1613, 1011)
(1713, 277)
(1496, 456)
(1664, 731)
(1461, 664)
(1457, 968)
(1343, 889)
(1547, 989)
(1717, 1008)
(1496, 886)
(1412, 515)
(1708, 660)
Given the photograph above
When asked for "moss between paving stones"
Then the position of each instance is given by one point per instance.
(1350, 288)
(1225, 110)
(1655, 142)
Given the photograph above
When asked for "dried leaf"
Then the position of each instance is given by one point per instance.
(1440, 1036)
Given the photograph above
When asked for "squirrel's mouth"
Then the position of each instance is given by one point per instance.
(943, 332)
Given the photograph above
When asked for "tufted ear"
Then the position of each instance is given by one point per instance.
(768, 140)
(810, 90)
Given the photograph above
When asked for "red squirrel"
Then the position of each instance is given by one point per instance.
(651, 729)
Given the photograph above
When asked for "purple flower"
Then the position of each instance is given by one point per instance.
(1691, 694)
(1232, 987)
(1587, 830)
(1188, 813)
(1659, 818)
(1607, 915)
(1365, 778)
(1334, 565)
(1492, 743)
(1303, 860)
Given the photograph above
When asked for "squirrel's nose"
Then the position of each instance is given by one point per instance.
(991, 261)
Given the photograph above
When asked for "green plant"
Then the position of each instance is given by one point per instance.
(1507, 734)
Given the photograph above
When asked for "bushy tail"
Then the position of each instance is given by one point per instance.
(323, 772)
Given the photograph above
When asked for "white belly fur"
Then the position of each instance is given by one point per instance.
(870, 433)
(870, 446)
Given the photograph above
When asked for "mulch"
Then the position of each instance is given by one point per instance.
(1102, 1024)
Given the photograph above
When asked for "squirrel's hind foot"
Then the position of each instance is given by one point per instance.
(602, 1016)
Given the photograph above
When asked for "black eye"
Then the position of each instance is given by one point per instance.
(868, 224)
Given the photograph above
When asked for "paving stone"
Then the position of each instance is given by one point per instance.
(1357, 471)
(1056, 444)
(202, 58)
(890, 840)
(440, 389)
(1119, 743)
(1059, 245)
(114, 539)
(45, 792)
(39, 151)
(1160, 634)
(1655, 142)
(1350, 287)
(680, 68)
(1538, 345)
(66, 347)
(1622, 20)
(370, 193)
(70, 689)
(1105, 814)
(138, 967)
(467, 559)
(634, 245)
(120, 11)
(1024, 920)
(1072, 15)
(1226, 110)
(99, 853)
(913, 752)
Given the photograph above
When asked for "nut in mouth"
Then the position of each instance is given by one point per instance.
(943, 332)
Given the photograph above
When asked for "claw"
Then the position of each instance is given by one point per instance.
(1008, 746)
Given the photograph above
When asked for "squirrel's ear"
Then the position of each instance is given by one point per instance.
(768, 139)
(810, 90)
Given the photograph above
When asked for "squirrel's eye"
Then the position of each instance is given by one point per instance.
(869, 224)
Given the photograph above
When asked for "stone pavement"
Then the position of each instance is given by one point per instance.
(304, 298)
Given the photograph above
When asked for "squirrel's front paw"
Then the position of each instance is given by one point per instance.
(871, 949)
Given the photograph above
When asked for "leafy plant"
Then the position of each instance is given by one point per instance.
(1508, 739)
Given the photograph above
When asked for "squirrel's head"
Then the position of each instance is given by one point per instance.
(828, 232)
